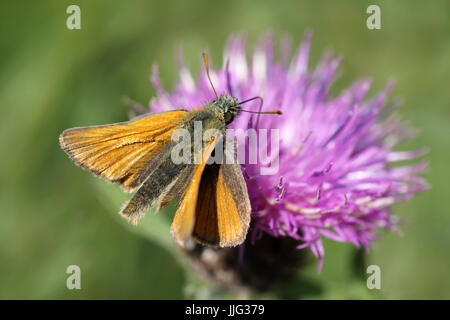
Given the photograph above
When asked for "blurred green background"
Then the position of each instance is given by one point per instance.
(53, 214)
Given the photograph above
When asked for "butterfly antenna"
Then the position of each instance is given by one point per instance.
(259, 112)
(205, 59)
(227, 72)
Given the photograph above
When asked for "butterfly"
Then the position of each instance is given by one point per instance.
(214, 207)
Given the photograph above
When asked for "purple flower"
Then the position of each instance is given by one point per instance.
(335, 179)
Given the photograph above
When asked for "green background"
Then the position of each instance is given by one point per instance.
(52, 214)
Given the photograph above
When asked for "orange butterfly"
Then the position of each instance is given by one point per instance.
(214, 207)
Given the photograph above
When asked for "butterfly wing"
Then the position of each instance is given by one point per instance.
(223, 207)
(184, 219)
(121, 152)
(215, 209)
(159, 188)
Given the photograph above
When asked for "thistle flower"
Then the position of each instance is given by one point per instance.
(335, 179)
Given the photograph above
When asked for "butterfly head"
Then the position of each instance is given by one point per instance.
(226, 108)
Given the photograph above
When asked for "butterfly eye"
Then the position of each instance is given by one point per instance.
(228, 117)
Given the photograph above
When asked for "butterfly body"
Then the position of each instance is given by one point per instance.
(214, 208)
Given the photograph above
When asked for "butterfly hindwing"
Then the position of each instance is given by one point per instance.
(215, 208)
(158, 184)
(184, 219)
(222, 208)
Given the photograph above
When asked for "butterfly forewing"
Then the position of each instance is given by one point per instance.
(184, 219)
(121, 152)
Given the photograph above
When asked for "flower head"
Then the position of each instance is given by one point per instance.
(334, 179)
